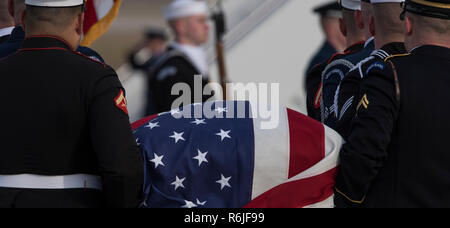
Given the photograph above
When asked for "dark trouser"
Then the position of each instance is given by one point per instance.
(67, 198)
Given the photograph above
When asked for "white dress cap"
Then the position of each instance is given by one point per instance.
(54, 3)
(185, 8)
(351, 4)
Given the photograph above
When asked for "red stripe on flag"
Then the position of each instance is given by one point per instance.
(307, 142)
(298, 194)
(142, 122)
(90, 17)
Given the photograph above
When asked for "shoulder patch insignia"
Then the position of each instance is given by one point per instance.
(364, 102)
(121, 102)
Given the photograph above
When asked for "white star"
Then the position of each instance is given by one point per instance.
(178, 182)
(201, 203)
(189, 204)
(224, 182)
(221, 110)
(175, 111)
(201, 157)
(152, 125)
(198, 122)
(224, 134)
(157, 160)
(177, 136)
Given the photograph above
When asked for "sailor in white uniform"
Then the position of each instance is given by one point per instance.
(185, 57)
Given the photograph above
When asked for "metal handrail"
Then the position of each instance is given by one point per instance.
(251, 22)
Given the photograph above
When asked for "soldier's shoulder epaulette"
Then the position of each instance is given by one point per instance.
(396, 56)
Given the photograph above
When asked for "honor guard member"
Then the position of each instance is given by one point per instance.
(389, 40)
(66, 139)
(330, 13)
(14, 42)
(337, 70)
(185, 57)
(6, 21)
(143, 58)
(397, 153)
(354, 37)
(146, 53)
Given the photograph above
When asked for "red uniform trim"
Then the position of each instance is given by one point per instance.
(345, 53)
(336, 55)
(38, 49)
(142, 122)
(121, 102)
(360, 42)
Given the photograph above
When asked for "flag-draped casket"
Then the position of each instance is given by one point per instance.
(198, 161)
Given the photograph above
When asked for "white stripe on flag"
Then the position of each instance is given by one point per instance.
(102, 7)
(271, 155)
(333, 142)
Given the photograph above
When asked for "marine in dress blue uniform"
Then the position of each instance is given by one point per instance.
(66, 138)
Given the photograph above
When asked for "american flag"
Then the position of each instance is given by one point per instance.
(98, 18)
(204, 162)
